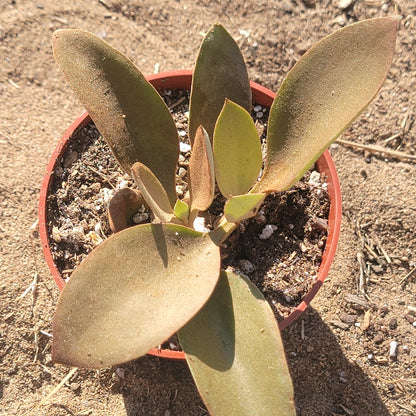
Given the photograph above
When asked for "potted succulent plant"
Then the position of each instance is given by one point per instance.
(149, 281)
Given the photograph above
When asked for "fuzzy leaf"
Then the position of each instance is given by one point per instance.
(126, 109)
(181, 211)
(153, 192)
(220, 73)
(122, 208)
(241, 207)
(132, 293)
(235, 353)
(201, 172)
(237, 150)
(324, 92)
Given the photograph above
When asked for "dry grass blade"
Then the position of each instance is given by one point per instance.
(58, 387)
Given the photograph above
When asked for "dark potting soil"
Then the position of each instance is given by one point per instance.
(280, 249)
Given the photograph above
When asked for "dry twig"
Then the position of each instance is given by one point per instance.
(378, 149)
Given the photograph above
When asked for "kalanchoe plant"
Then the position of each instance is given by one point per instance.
(149, 281)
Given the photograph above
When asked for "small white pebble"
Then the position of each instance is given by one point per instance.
(182, 172)
(244, 33)
(393, 349)
(370, 356)
(182, 133)
(315, 178)
(259, 114)
(267, 231)
(123, 184)
(184, 147)
(199, 225)
(258, 108)
(179, 190)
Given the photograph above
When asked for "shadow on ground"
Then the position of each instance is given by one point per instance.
(325, 382)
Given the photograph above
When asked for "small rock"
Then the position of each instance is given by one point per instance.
(120, 372)
(199, 225)
(70, 159)
(344, 4)
(383, 311)
(348, 319)
(286, 6)
(184, 147)
(393, 323)
(393, 349)
(378, 339)
(309, 348)
(75, 386)
(257, 108)
(343, 377)
(409, 318)
(182, 172)
(246, 266)
(267, 231)
(339, 324)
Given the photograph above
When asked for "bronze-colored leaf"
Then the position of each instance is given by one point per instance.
(324, 92)
(235, 353)
(201, 172)
(122, 208)
(153, 192)
(220, 73)
(132, 293)
(126, 109)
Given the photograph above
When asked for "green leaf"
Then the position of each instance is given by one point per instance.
(153, 192)
(324, 92)
(181, 211)
(220, 73)
(235, 353)
(126, 109)
(237, 150)
(240, 207)
(132, 293)
(122, 208)
(201, 172)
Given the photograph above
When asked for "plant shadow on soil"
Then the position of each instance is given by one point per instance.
(325, 382)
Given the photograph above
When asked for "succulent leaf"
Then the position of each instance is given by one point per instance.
(220, 73)
(201, 172)
(122, 208)
(235, 353)
(323, 93)
(125, 107)
(153, 192)
(241, 207)
(116, 304)
(237, 150)
(181, 211)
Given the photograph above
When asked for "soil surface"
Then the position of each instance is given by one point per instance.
(340, 351)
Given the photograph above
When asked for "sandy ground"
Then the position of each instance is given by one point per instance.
(338, 354)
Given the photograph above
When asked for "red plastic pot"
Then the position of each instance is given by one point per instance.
(263, 97)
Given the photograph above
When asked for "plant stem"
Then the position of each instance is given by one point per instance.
(222, 231)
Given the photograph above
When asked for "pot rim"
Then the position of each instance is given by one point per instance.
(182, 79)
